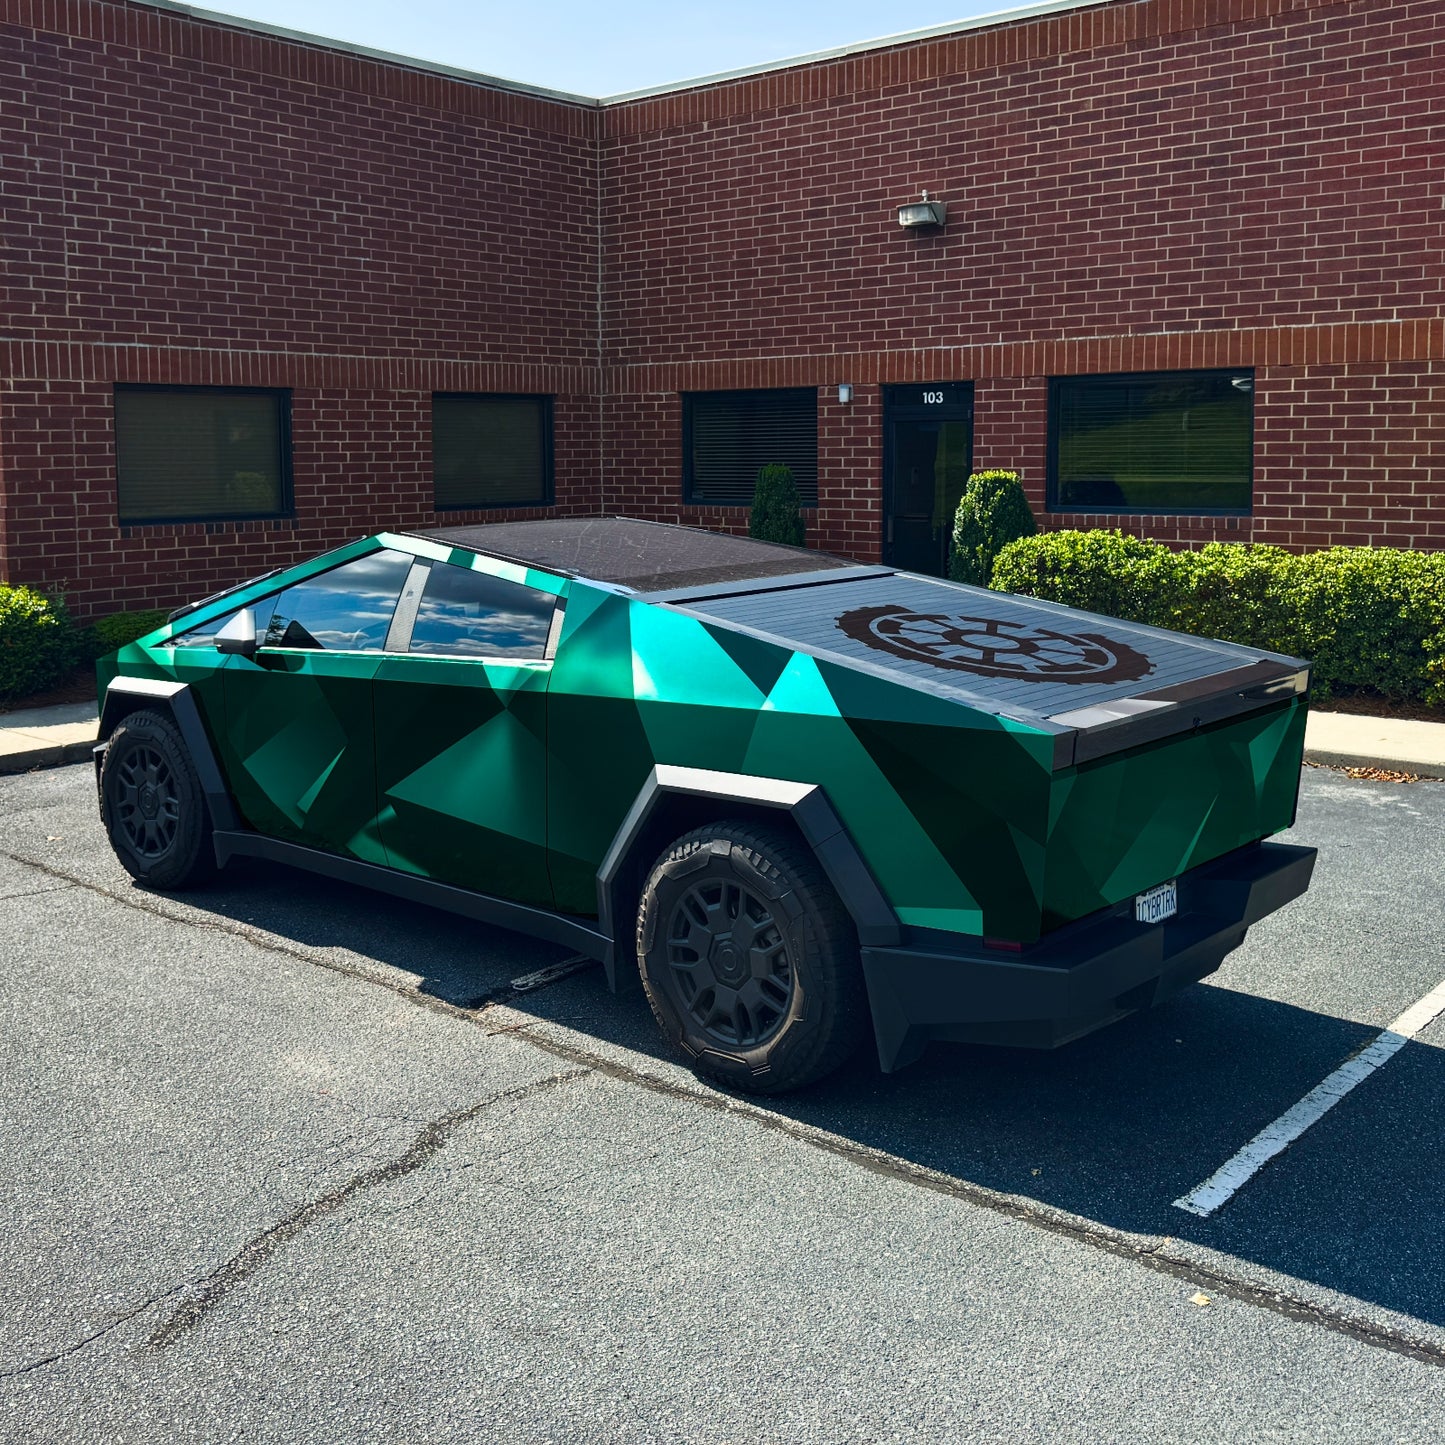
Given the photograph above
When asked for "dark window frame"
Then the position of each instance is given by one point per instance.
(690, 495)
(1125, 378)
(549, 490)
(282, 396)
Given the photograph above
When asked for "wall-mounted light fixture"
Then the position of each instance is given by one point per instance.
(845, 392)
(923, 213)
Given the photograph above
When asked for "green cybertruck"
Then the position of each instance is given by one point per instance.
(803, 799)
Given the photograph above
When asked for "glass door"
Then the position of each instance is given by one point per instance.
(927, 456)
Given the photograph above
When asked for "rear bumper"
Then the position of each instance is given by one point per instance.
(1082, 976)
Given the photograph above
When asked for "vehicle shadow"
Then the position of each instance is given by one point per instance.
(1113, 1127)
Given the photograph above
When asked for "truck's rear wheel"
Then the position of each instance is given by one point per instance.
(152, 804)
(749, 959)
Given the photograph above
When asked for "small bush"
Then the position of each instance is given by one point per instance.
(1098, 571)
(1366, 617)
(992, 513)
(109, 633)
(38, 643)
(776, 514)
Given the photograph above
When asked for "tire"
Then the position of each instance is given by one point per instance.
(152, 805)
(790, 1011)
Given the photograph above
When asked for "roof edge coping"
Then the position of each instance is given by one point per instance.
(858, 47)
(675, 87)
(347, 47)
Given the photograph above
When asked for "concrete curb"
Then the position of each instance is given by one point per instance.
(1351, 740)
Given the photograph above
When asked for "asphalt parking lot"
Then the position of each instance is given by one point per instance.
(287, 1161)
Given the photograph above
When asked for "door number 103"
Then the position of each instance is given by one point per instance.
(933, 398)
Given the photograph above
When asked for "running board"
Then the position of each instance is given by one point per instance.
(536, 922)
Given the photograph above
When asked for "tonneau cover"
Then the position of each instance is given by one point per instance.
(1098, 683)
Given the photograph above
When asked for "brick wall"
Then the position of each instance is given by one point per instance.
(1140, 185)
(1147, 186)
(183, 202)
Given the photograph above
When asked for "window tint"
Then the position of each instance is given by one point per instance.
(186, 454)
(347, 609)
(491, 451)
(729, 436)
(468, 614)
(1171, 442)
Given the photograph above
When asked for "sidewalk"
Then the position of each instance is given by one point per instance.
(41, 737)
(44, 736)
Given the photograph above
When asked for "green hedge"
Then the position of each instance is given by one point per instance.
(38, 643)
(1366, 617)
(109, 633)
(776, 514)
(992, 512)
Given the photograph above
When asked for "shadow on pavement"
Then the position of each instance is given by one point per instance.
(1112, 1128)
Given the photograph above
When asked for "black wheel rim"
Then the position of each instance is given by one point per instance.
(147, 801)
(730, 962)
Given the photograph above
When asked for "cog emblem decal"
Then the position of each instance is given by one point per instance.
(992, 647)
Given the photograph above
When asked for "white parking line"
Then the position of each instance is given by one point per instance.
(1225, 1182)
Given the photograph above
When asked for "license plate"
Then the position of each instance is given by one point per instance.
(1158, 903)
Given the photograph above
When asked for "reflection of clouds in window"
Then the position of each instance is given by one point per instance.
(347, 609)
(469, 614)
(501, 634)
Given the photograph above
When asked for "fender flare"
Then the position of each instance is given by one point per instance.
(806, 804)
(126, 695)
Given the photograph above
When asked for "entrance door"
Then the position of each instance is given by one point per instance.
(927, 456)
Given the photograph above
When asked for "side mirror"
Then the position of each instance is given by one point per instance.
(238, 636)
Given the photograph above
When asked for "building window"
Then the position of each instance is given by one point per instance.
(1178, 441)
(491, 451)
(201, 453)
(728, 436)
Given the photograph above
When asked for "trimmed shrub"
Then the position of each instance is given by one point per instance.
(1098, 571)
(1366, 617)
(38, 644)
(776, 514)
(992, 512)
(109, 633)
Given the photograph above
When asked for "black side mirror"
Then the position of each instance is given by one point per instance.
(238, 636)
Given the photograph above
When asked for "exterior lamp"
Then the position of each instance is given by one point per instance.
(845, 392)
(923, 213)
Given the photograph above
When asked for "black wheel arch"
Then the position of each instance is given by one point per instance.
(126, 695)
(675, 800)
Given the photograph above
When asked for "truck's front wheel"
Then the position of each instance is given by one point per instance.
(749, 959)
(152, 804)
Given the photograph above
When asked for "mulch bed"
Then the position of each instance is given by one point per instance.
(78, 687)
(1369, 706)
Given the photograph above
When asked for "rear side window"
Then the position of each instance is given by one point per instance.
(469, 614)
(347, 609)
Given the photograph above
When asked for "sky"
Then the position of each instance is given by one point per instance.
(598, 49)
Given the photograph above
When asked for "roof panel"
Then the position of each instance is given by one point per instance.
(644, 556)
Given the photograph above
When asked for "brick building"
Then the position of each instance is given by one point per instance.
(262, 293)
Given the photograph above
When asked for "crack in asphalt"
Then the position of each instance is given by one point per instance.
(204, 1295)
(1151, 1254)
(90, 1339)
(33, 892)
